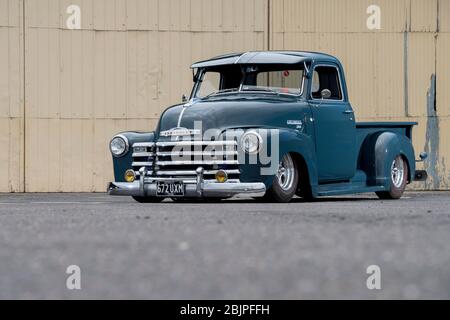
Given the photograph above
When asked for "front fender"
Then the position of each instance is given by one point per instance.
(281, 142)
(121, 164)
(301, 145)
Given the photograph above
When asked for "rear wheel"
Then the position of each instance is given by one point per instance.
(399, 179)
(285, 182)
(148, 199)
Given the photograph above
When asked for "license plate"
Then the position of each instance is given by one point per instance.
(169, 189)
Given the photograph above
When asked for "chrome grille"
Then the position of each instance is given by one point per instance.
(144, 158)
(180, 159)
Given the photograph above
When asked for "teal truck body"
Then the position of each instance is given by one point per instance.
(273, 124)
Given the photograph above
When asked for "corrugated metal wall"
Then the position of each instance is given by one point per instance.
(64, 93)
(11, 96)
(393, 73)
(129, 62)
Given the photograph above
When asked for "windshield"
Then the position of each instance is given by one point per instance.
(274, 79)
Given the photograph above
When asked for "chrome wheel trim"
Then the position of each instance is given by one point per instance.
(397, 172)
(286, 173)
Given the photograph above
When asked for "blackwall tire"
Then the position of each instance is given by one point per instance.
(285, 182)
(148, 199)
(399, 180)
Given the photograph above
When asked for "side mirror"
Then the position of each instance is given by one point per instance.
(183, 98)
(325, 94)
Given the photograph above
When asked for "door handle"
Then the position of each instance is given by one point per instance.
(348, 111)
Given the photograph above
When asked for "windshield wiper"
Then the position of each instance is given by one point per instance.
(220, 92)
(268, 90)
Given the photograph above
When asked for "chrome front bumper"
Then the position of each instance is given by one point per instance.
(146, 186)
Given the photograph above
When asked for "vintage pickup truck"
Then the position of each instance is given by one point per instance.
(274, 124)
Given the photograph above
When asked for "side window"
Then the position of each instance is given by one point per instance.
(210, 84)
(325, 77)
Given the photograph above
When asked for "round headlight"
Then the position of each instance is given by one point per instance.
(251, 142)
(119, 145)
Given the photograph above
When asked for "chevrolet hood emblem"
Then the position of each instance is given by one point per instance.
(179, 131)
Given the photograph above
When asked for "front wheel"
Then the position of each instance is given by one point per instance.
(285, 182)
(148, 199)
(399, 179)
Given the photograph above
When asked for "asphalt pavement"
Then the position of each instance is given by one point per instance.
(236, 249)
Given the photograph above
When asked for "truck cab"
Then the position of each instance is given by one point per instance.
(274, 124)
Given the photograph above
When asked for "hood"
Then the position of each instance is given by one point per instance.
(228, 113)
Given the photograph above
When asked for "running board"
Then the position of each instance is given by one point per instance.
(358, 184)
(346, 188)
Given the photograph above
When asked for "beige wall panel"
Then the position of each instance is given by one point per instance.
(394, 15)
(59, 73)
(116, 74)
(443, 74)
(424, 15)
(168, 19)
(421, 68)
(37, 159)
(239, 15)
(162, 15)
(336, 16)
(143, 74)
(77, 154)
(108, 14)
(42, 13)
(10, 12)
(64, 162)
(142, 14)
(375, 75)
(208, 22)
(332, 16)
(11, 157)
(43, 91)
(361, 73)
(11, 96)
(11, 72)
(261, 15)
(436, 144)
(444, 15)
(110, 75)
(196, 15)
(276, 17)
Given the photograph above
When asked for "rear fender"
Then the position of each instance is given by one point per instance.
(388, 145)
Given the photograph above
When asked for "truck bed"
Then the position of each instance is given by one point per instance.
(365, 128)
(404, 128)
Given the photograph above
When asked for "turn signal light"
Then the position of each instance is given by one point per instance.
(221, 176)
(130, 176)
